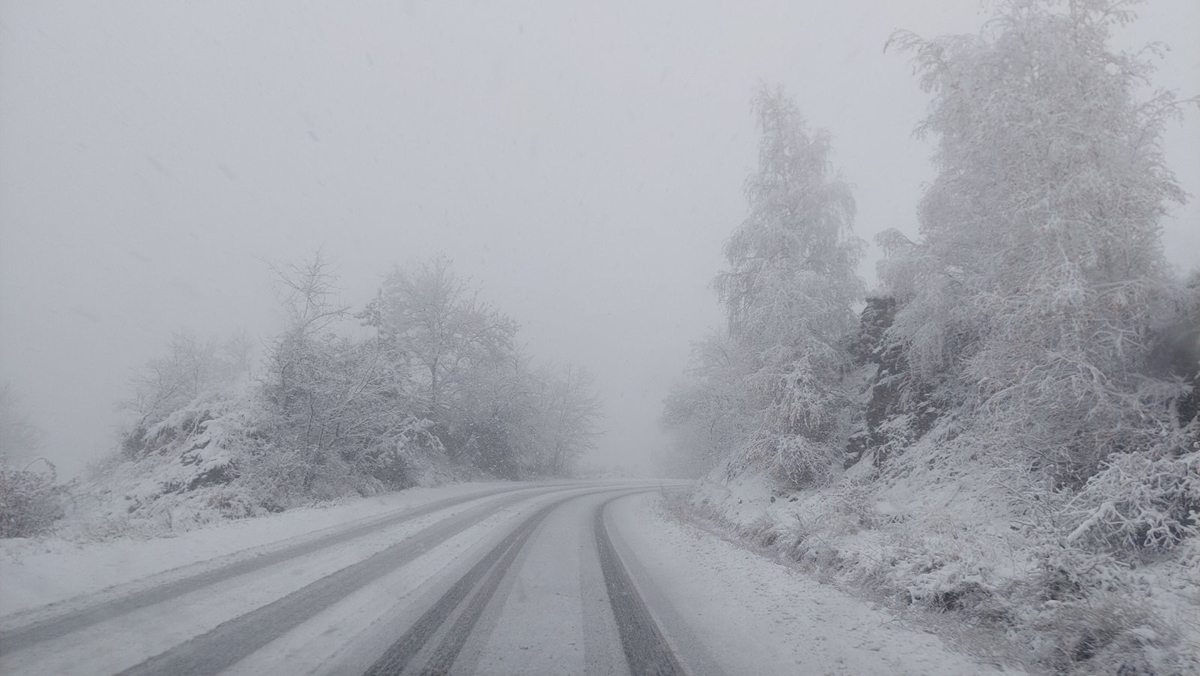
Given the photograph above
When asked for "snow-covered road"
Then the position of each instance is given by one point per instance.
(507, 579)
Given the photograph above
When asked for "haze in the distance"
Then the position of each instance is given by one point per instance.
(583, 163)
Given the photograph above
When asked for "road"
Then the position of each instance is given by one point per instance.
(523, 581)
(549, 579)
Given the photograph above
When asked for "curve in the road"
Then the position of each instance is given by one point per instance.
(491, 570)
(646, 650)
(433, 643)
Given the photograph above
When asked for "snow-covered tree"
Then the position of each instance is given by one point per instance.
(490, 406)
(568, 417)
(1039, 272)
(494, 420)
(335, 407)
(790, 292)
(438, 386)
(707, 410)
(434, 321)
(516, 419)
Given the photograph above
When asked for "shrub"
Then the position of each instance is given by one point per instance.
(1138, 505)
(30, 501)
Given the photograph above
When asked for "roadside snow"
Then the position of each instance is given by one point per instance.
(723, 598)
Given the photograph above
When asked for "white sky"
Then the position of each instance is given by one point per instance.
(582, 161)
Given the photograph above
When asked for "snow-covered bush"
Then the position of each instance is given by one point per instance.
(1107, 634)
(1137, 505)
(791, 459)
(30, 501)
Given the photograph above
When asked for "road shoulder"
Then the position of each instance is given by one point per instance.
(725, 597)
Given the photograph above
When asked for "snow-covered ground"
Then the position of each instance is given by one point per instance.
(948, 547)
(126, 639)
(722, 608)
(40, 571)
(720, 598)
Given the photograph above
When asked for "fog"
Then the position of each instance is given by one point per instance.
(581, 162)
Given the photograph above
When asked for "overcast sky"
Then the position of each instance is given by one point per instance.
(582, 161)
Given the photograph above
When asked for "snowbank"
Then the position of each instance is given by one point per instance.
(795, 624)
(962, 539)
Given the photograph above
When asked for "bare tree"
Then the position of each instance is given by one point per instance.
(571, 412)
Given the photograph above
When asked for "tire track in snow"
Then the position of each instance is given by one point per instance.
(456, 613)
(646, 650)
(235, 639)
(469, 590)
(37, 632)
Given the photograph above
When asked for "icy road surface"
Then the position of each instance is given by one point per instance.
(507, 579)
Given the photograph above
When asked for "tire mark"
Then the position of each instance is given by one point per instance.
(646, 650)
(494, 565)
(38, 632)
(221, 647)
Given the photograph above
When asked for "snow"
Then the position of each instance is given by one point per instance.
(155, 629)
(360, 626)
(725, 607)
(36, 572)
(724, 597)
(951, 538)
(959, 520)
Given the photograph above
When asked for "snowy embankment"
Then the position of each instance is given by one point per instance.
(951, 551)
(39, 571)
(728, 598)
